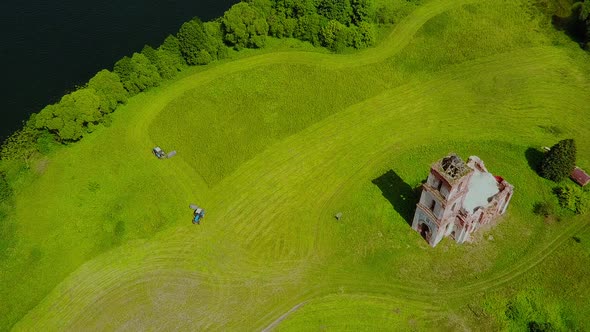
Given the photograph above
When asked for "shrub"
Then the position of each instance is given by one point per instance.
(540, 327)
(573, 198)
(20, 145)
(385, 13)
(544, 209)
(559, 162)
(5, 189)
(567, 197)
(46, 142)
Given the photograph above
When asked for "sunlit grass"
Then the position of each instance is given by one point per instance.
(273, 145)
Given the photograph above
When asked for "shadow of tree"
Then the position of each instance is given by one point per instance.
(572, 26)
(400, 194)
(534, 158)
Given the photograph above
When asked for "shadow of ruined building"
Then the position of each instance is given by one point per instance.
(401, 195)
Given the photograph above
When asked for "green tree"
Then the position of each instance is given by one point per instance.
(70, 118)
(20, 146)
(82, 106)
(585, 17)
(5, 189)
(385, 13)
(362, 11)
(194, 41)
(170, 54)
(309, 28)
(340, 11)
(171, 45)
(109, 89)
(137, 73)
(335, 35)
(584, 10)
(295, 8)
(573, 198)
(263, 6)
(559, 162)
(367, 33)
(215, 32)
(280, 25)
(167, 68)
(244, 26)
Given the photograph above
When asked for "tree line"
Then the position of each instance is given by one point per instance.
(582, 11)
(572, 16)
(334, 24)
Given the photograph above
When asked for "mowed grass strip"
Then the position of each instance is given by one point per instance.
(270, 241)
(246, 218)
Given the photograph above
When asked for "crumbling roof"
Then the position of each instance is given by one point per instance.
(452, 167)
(581, 177)
(482, 187)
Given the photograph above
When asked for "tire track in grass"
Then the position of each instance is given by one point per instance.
(524, 266)
(167, 257)
(137, 133)
(410, 289)
(413, 289)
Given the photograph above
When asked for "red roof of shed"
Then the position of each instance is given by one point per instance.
(580, 176)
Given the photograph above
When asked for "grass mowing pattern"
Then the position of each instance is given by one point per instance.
(269, 241)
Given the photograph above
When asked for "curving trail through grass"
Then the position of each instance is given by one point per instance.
(243, 268)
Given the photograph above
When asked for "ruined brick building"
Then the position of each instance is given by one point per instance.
(458, 198)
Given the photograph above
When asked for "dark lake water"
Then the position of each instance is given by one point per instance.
(49, 47)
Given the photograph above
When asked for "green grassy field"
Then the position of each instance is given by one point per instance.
(273, 143)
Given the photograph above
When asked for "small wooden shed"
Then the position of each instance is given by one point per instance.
(580, 177)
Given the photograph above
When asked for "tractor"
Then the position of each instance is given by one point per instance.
(158, 152)
(198, 214)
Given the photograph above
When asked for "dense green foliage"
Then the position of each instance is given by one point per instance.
(166, 63)
(198, 44)
(572, 16)
(5, 189)
(529, 310)
(333, 24)
(75, 114)
(559, 162)
(545, 209)
(573, 198)
(21, 146)
(244, 26)
(273, 145)
(582, 11)
(109, 90)
(137, 73)
(172, 45)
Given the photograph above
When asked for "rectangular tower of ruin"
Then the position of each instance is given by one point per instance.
(457, 198)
